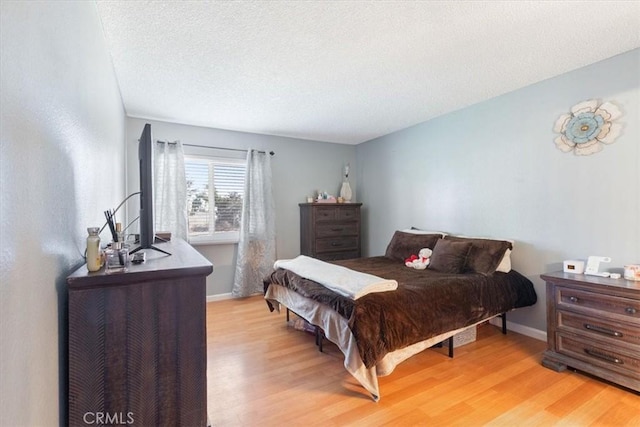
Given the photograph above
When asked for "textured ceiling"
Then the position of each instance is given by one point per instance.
(346, 71)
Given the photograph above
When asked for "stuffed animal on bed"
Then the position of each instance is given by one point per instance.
(420, 261)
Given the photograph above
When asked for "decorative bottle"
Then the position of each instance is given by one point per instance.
(94, 261)
(345, 190)
(117, 258)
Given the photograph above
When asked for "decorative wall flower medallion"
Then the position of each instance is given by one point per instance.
(587, 127)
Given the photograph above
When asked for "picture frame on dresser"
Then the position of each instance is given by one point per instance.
(593, 326)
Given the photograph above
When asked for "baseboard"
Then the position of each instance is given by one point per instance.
(219, 297)
(521, 329)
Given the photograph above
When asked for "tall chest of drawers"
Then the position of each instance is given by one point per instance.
(330, 231)
(593, 325)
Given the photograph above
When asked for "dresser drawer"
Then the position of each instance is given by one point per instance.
(330, 213)
(347, 243)
(348, 213)
(600, 305)
(605, 356)
(326, 213)
(600, 329)
(337, 229)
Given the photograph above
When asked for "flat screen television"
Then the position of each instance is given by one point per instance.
(145, 159)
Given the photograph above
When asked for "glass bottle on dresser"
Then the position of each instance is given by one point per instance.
(94, 261)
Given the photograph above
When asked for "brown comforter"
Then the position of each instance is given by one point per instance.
(427, 303)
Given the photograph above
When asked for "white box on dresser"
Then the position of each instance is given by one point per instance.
(593, 325)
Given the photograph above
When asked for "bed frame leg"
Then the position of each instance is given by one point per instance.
(450, 339)
(319, 338)
(503, 316)
(319, 334)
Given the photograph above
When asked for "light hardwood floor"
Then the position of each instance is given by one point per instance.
(263, 372)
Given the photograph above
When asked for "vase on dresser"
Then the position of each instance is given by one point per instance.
(345, 191)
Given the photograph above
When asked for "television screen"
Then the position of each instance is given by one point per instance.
(145, 159)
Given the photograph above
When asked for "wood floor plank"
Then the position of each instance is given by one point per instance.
(262, 371)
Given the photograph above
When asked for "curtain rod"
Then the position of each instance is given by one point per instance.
(271, 153)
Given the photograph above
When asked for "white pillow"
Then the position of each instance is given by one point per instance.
(505, 264)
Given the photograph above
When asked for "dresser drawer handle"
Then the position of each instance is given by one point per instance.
(605, 357)
(603, 330)
(573, 299)
(336, 244)
(631, 310)
(337, 229)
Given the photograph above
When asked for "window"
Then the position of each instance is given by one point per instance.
(215, 188)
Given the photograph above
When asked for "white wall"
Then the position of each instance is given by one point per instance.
(493, 170)
(61, 165)
(299, 168)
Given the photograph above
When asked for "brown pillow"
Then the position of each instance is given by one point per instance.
(403, 245)
(485, 254)
(449, 256)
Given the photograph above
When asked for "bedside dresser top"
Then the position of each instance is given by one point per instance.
(560, 277)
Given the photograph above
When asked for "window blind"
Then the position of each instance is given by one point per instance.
(215, 189)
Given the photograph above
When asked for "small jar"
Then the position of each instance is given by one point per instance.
(117, 258)
(94, 261)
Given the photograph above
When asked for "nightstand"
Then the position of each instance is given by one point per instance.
(593, 325)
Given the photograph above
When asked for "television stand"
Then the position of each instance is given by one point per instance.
(137, 341)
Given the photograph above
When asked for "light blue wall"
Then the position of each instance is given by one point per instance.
(493, 170)
(61, 165)
(299, 169)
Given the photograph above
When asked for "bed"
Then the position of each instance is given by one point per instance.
(469, 280)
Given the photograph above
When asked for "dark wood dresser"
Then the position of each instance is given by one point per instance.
(593, 325)
(330, 231)
(137, 342)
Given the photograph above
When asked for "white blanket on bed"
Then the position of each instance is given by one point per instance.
(344, 281)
